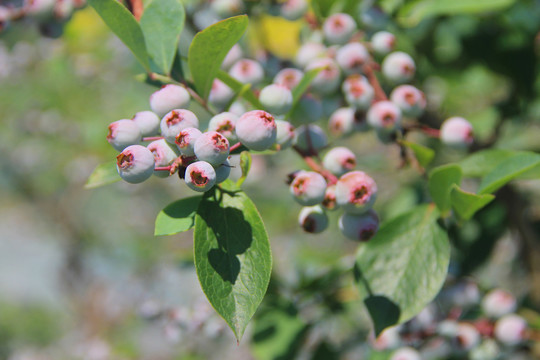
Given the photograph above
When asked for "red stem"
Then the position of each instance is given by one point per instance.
(380, 95)
(235, 146)
(162, 168)
(152, 138)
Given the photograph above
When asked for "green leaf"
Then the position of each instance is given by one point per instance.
(466, 204)
(507, 170)
(232, 256)
(423, 154)
(245, 165)
(162, 22)
(415, 11)
(483, 162)
(322, 8)
(406, 263)
(302, 87)
(238, 87)
(103, 174)
(123, 24)
(441, 180)
(382, 311)
(177, 217)
(209, 48)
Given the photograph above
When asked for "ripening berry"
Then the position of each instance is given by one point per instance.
(356, 192)
(224, 124)
(289, 77)
(135, 164)
(398, 67)
(498, 302)
(220, 94)
(123, 133)
(233, 56)
(223, 171)
(361, 227)
(447, 328)
(247, 71)
(148, 122)
(339, 160)
(168, 98)
(467, 336)
(339, 28)
(185, 140)
(457, 132)
(308, 110)
(329, 202)
(277, 99)
(212, 147)
(310, 137)
(341, 121)
(352, 58)
(284, 134)
(384, 116)
(309, 52)
(406, 353)
(410, 100)
(313, 219)
(293, 9)
(256, 130)
(328, 78)
(358, 92)
(308, 188)
(227, 8)
(510, 329)
(237, 108)
(200, 176)
(383, 42)
(175, 121)
(164, 155)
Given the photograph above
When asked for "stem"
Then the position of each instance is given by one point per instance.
(152, 138)
(330, 178)
(162, 168)
(380, 95)
(429, 131)
(136, 7)
(235, 146)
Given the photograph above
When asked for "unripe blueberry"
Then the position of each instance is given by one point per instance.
(328, 79)
(398, 67)
(175, 121)
(277, 99)
(123, 133)
(339, 28)
(220, 94)
(200, 176)
(212, 147)
(148, 122)
(233, 56)
(168, 98)
(457, 132)
(135, 164)
(309, 52)
(227, 8)
(247, 71)
(40, 9)
(313, 219)
(339, 160)
(356, 192)
(164, 155)
(374, 18)
(223, 171)
(329, 202)
(237, 108)
(410, 100)
(388, 339)
(341, 122)
(448, 328)
(498, 302)
(308, 188)
(352, 58)
(185, 140)
(406, 353)
(224, 124)
(256, 130)
(284, 134)
(383, 42)
(358, 92)
(360, 227)
(510, 329)
(384, 116)
(293, 9)
(467, 336)
(308, 110)
(289, 77)
(310, 137)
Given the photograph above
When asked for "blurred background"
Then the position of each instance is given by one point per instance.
(83, 277)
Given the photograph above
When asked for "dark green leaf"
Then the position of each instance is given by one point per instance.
(177, 217)
(423, 154)
(162, 22)
(103, 174)
(406, 262)
(441, 180)
(238, 87)
(322, 8)
(209, 48)
(123, 24)
(507, 170)
(466, 204)
(483, 162)
(232, 256)
(245, 165)
(382, 311)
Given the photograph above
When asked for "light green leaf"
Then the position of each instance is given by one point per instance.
(239, 87)
(232, 256)
(466, 204)
(209, 48)
(507, 170)
(103, 174)
(483, 162)
(123, 24)
(322, 8)
(177, 217)
(162, 22)
(441, 180)
(406, 263)
(423, 154)
(245, 165)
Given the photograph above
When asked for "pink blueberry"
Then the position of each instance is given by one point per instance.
(510, 329)
(352, 58)
(342, 121)
(359, 227)
(498, 302)
(339, 160)
(224, 123)
(308, 188)
(256, 130)
(313, 219)
(175, 121)
(223, 171)
(212, 147)
(284, 134)
(185, 140)
(164, 155)
(384, 116)
(293, 9)
(358, 92)
(338, 28)
(406, 353)
(227, 8)
(220, 94)
(200, 176)
(247, 71)
(467, 336)
(309, 52)
(410, 100)
(148, 122)
(398, 67)
(169, 97)
(328, 78)
(356, 192)
(123, 133)
(276, 99)
(457, 132)
(232, 56)
(289, 77)
(383, 42)
(135, 164)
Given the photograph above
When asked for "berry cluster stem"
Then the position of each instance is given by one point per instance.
(314, 165)
(380, 95)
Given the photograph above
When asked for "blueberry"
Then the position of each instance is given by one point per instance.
(338, 28)
(358, 92)
(175, 121)
(360, 227)
(328, 79)
(185, 140)
(123, 133)
(313, 219)
(409, 99)
(169, 97)
(352, 58)
(200, 176)
(308, 188)
(148, 122)
(276, 99)
(310, 138)
(135, 164)
(164, 155)
(247, 71)
(256, 130)
(356, 192)
(224, 123)
(383, 42)
(339, 160)
(398, 67)
(289, 77)
(384, 116)
(212, 147)
(457, 132)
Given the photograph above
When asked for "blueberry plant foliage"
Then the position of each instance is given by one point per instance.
(401, 265)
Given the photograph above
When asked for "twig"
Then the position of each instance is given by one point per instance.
(380, 95)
